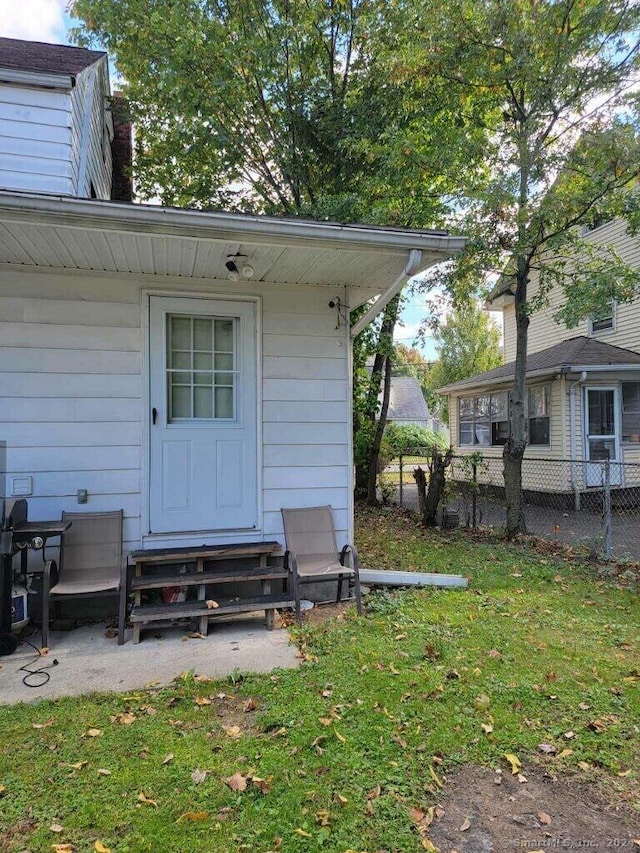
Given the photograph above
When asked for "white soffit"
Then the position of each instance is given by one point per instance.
(66, 233)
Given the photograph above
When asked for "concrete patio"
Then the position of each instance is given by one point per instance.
(89, 661)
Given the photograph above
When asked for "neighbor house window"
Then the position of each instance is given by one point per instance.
(484, 421)
(603, 321)
(538, 414)
(631, 412)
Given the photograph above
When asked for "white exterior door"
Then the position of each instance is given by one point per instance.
(602, 435)
(203, 415)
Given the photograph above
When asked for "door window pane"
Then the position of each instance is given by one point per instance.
(601, 449)
(601, 412)
(482, 435)
(201, 373)
(499, 418)
(538, 421)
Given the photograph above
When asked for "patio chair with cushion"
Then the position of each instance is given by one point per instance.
(91, 564)
(312, 555)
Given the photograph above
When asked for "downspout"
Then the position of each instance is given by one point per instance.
(572, 439)
(411, 267)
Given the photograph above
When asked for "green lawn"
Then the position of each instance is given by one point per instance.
(537, 651)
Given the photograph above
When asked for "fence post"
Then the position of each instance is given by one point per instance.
(401, 483)
(607, 509)
(474, 496)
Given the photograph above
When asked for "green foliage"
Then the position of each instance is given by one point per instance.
(404, 438)
(467, 343)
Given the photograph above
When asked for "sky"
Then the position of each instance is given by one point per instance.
(46, 20)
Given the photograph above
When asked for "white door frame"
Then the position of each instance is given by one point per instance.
(616, 468)
(173, 539)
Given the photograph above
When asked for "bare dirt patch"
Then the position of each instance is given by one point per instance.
(490, 812)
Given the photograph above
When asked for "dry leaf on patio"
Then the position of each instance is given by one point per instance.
(514, 762)
(199, 776)
(142, 798)
(99, 847)
(237, 782)
(234, 732)
(194, 816)
(56, 827)
(195, 635)
(93, 733)
(211, 604)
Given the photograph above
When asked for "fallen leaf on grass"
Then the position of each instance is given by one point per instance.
(249, 705)
(167, 758)
(102, 771)
(78, 765)
(494, 653)
(624, 773)
(93, 733)
(2, 789)
(514, 762)
(323, 817)
(482, 702)
(202, 700)
(263, 785)
(56, 827)
(99, 847)
(63, 848)
(124, 719)
(487, 728)
(430, 846)
(237, 782)
(340, 737)
(234, 732)
(194, 816)
(142, 798)
(302, 832)
(597, 726)
(203, 679)
(583, 765)
(544, 818)
(547, 748)
(199, 776)
(50, 722)
(342, 800)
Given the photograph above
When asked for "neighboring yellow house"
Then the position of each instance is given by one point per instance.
(583, 390)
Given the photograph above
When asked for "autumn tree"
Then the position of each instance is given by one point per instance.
(468, 342)
(553, 80)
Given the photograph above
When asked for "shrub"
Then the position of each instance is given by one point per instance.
(406, 438)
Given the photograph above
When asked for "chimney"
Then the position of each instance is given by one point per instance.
(121, 149)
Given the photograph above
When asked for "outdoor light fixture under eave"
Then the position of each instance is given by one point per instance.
(234, 272)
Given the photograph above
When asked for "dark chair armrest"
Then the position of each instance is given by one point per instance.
(353, 551)
(290, 561)
(49, 576)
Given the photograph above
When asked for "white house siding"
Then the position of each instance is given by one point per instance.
(92, 132)
(545, 332)
(72, 394)
(35, 142)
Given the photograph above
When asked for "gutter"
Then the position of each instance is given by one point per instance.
(411, 267)
(121, 216)
(37, 79)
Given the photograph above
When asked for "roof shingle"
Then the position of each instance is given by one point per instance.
(46, 58)
(574, 352)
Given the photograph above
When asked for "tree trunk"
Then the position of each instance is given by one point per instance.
(374, 453)
(368, 418)
(517, 441)
(428, 503)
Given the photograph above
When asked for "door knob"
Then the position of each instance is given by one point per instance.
(154, 415)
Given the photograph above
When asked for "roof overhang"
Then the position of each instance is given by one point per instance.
(85, 234)
(545, 373)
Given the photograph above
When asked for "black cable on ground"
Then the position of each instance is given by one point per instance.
(40, 674)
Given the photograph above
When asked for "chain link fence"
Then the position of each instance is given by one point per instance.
(593, 504)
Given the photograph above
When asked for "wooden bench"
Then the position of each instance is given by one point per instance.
(199, 574)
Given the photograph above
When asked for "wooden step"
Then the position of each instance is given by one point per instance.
(208, 552)
(195, 578)
(181, 610)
